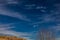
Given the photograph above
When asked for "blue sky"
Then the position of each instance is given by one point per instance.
(24, 18)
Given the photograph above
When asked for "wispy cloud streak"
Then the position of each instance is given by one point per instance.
(4, 11)
(6, 29)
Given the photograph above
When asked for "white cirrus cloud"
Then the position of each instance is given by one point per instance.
(56, 28)
(6, 26)
(6, 29)
(4, 11)
(18, 34)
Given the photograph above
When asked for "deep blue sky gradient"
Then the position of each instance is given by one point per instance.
(35, 15)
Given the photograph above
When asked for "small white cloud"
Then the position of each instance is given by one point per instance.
(30, 6)
(35, 25)
(41, 7)
(12, 1)
(43, 10)
(38, 7)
